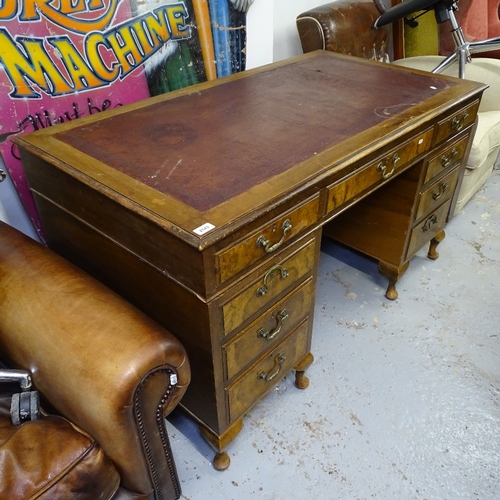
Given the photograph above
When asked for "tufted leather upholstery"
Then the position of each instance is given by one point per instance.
(98, 362)
(345, 27)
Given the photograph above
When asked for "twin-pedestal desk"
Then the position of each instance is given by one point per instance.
(206, 207)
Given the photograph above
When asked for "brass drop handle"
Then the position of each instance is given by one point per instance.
(458, 123)
(264, 243)
(270, 335)
(263, 289)
(428, 223)
(447, 159)
(3, 175)
(278, 361)
(382, 167)
(442, 188)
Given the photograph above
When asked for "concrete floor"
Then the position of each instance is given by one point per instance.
(404, 400)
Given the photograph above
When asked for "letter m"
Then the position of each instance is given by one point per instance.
(28, 66)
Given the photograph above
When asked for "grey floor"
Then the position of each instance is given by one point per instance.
(404, 399)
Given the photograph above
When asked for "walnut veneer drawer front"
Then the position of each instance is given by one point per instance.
(262, 376)
(457, 122)
(267, 239)
(428, 228)
(434, 195)
(446, 158)
(268, 329)
(378, 171)
(270, 283)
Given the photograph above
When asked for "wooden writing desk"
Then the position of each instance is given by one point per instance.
(205, 207)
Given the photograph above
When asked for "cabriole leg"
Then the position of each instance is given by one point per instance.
(301, 381)
(433, 254)
(219, 443)
(393, 274)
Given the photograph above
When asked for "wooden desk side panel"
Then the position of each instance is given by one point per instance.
(126, 227)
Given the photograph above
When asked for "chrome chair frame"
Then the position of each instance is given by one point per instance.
(444, 11)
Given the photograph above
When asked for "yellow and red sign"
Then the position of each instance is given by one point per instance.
(63, 59)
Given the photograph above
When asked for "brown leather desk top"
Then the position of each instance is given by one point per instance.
(207, 147)
(220, 150)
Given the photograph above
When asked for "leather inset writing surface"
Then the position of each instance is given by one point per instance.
(207, 147)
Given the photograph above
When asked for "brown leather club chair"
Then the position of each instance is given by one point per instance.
(345, 27)
(108, 372)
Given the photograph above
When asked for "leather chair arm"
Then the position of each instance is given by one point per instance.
(95, 358)
(343, 26)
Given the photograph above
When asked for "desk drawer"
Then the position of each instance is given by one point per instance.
(446, 158)
(346, 191)
(266, 240)
(270, 283)
(427, 229)
(270, 369)
(434, 195)
(457, 122)
(268, 329)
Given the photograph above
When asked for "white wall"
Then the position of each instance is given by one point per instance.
(286, 38)
(260, 30)
(11, 209)
(271, 31)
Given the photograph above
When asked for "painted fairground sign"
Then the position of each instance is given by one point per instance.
(63, 59)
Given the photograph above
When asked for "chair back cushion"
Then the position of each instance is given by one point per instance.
(345, 27)
(50, 458)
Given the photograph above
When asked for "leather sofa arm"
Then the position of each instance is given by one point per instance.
(95, 359)
(345, 27)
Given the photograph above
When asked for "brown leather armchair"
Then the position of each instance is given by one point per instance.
(106, 373)
(345, 27)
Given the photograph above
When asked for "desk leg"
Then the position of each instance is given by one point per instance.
(392, 273)
(221, 459)
(433, 254)
(301, 381)
(219, 443)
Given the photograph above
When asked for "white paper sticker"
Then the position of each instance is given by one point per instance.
(203, 229)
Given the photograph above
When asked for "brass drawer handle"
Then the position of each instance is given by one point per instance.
(458, 123)
(382, 167)
(263, 289)
(447, 159)
(264, 243)
(428, 223)
(442, 188)
(278, 361)
(264, 334)
(3, 175)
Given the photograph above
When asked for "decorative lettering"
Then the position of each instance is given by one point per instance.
(45, 118)
(55, 66)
